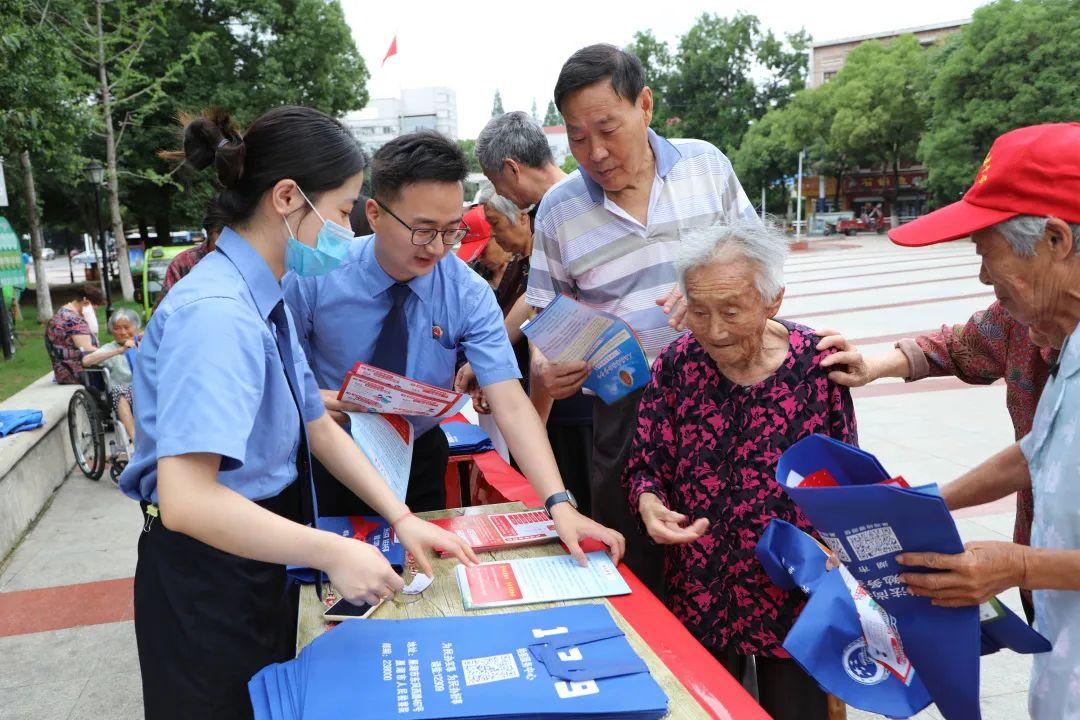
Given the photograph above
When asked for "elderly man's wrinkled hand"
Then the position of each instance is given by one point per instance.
(562, 379)
(972, 577)
(336, 409)
(674, 305)
(667, 527)
(849, 367)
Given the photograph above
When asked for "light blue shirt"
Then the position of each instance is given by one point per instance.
(1052, 449)
(339, 315)
(210, 379)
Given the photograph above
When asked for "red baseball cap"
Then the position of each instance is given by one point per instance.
(479, 234)
(1029, 171)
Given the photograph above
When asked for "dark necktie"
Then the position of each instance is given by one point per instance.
(392, 346)
(308, 505)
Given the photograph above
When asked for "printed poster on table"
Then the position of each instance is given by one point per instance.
(502, 530)
(567, 330)
(538, 579)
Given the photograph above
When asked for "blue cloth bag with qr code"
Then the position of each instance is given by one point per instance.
(866, 517)
(558, 663)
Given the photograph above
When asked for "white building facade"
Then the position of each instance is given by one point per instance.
(431, 108)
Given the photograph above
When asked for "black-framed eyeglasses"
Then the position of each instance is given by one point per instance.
(425, 236)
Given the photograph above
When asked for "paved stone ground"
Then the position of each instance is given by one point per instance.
(70, 652)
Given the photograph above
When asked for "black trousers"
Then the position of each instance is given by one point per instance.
(206, 621)
(572, 446)
(778, 684)
(613, 433)
(427, 481)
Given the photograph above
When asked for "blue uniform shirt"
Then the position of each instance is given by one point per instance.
(339, 315)
(209, 379)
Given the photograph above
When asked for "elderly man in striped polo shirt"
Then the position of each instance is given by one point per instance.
(607, 236)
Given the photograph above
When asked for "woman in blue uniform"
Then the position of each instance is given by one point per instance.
(227, 412)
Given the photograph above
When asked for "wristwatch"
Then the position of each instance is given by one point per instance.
(560, 497)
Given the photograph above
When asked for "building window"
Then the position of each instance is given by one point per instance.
(828, 75)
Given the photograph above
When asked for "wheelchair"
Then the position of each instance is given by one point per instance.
(97, 435)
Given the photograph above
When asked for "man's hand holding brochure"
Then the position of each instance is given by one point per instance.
(567, 331)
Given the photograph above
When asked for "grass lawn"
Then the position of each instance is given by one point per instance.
(30, 360)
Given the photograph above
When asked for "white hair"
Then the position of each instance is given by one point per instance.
(124, 314)
(486, 195)
(1023, 231)
(762, 244)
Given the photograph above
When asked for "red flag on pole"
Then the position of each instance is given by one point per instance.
(391, 52)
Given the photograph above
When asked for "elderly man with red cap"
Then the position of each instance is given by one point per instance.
(1023, 215)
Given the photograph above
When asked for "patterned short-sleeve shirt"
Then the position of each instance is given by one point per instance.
(66, 358)
(708, 448)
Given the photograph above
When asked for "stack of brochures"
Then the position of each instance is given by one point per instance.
(500, 531)
(555, 664)
(466, 439)
(863, 636)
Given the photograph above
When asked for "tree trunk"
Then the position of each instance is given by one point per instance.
(41, 278)
(894, 217)
(122, 261)
(838, 190)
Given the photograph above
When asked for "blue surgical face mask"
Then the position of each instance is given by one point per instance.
(331, 247)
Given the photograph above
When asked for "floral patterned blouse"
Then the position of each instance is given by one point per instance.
(66, 358)
(988, 347)
(181, 265)
(708, 448)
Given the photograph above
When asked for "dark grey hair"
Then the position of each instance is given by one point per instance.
(512, 135)
(487, 196)
(124, 314)
(763, 245)
(1023, 231)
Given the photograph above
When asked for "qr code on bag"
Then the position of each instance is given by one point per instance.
(834, 544)
(492, 668)
(874, 542)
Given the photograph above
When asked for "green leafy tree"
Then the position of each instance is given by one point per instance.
(469, 148)
(570, 164)
(726, 73)
(881, 106)
(1016, 64)
(552, 117)
(496, 105)
(41, 122)
(258, 55)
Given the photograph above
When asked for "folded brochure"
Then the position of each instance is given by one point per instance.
(499, 531)
(567, 330)
(537, 580)
(379, 391)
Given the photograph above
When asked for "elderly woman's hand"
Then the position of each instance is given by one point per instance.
(665, 526)
(850, 368)
(972, 577)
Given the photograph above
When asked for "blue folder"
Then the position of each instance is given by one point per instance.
(466, 439)
(564, 662)
(867, 525)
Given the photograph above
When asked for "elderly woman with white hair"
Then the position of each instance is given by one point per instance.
(724, 402)
(124, 326)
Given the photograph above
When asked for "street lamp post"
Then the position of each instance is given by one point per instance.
(95, 174)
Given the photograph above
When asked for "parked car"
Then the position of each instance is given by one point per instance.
(850, 226)
(48, 253)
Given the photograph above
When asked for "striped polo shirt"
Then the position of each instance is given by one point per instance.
(589, 248)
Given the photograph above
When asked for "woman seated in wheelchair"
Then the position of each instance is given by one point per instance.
(124, 325)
